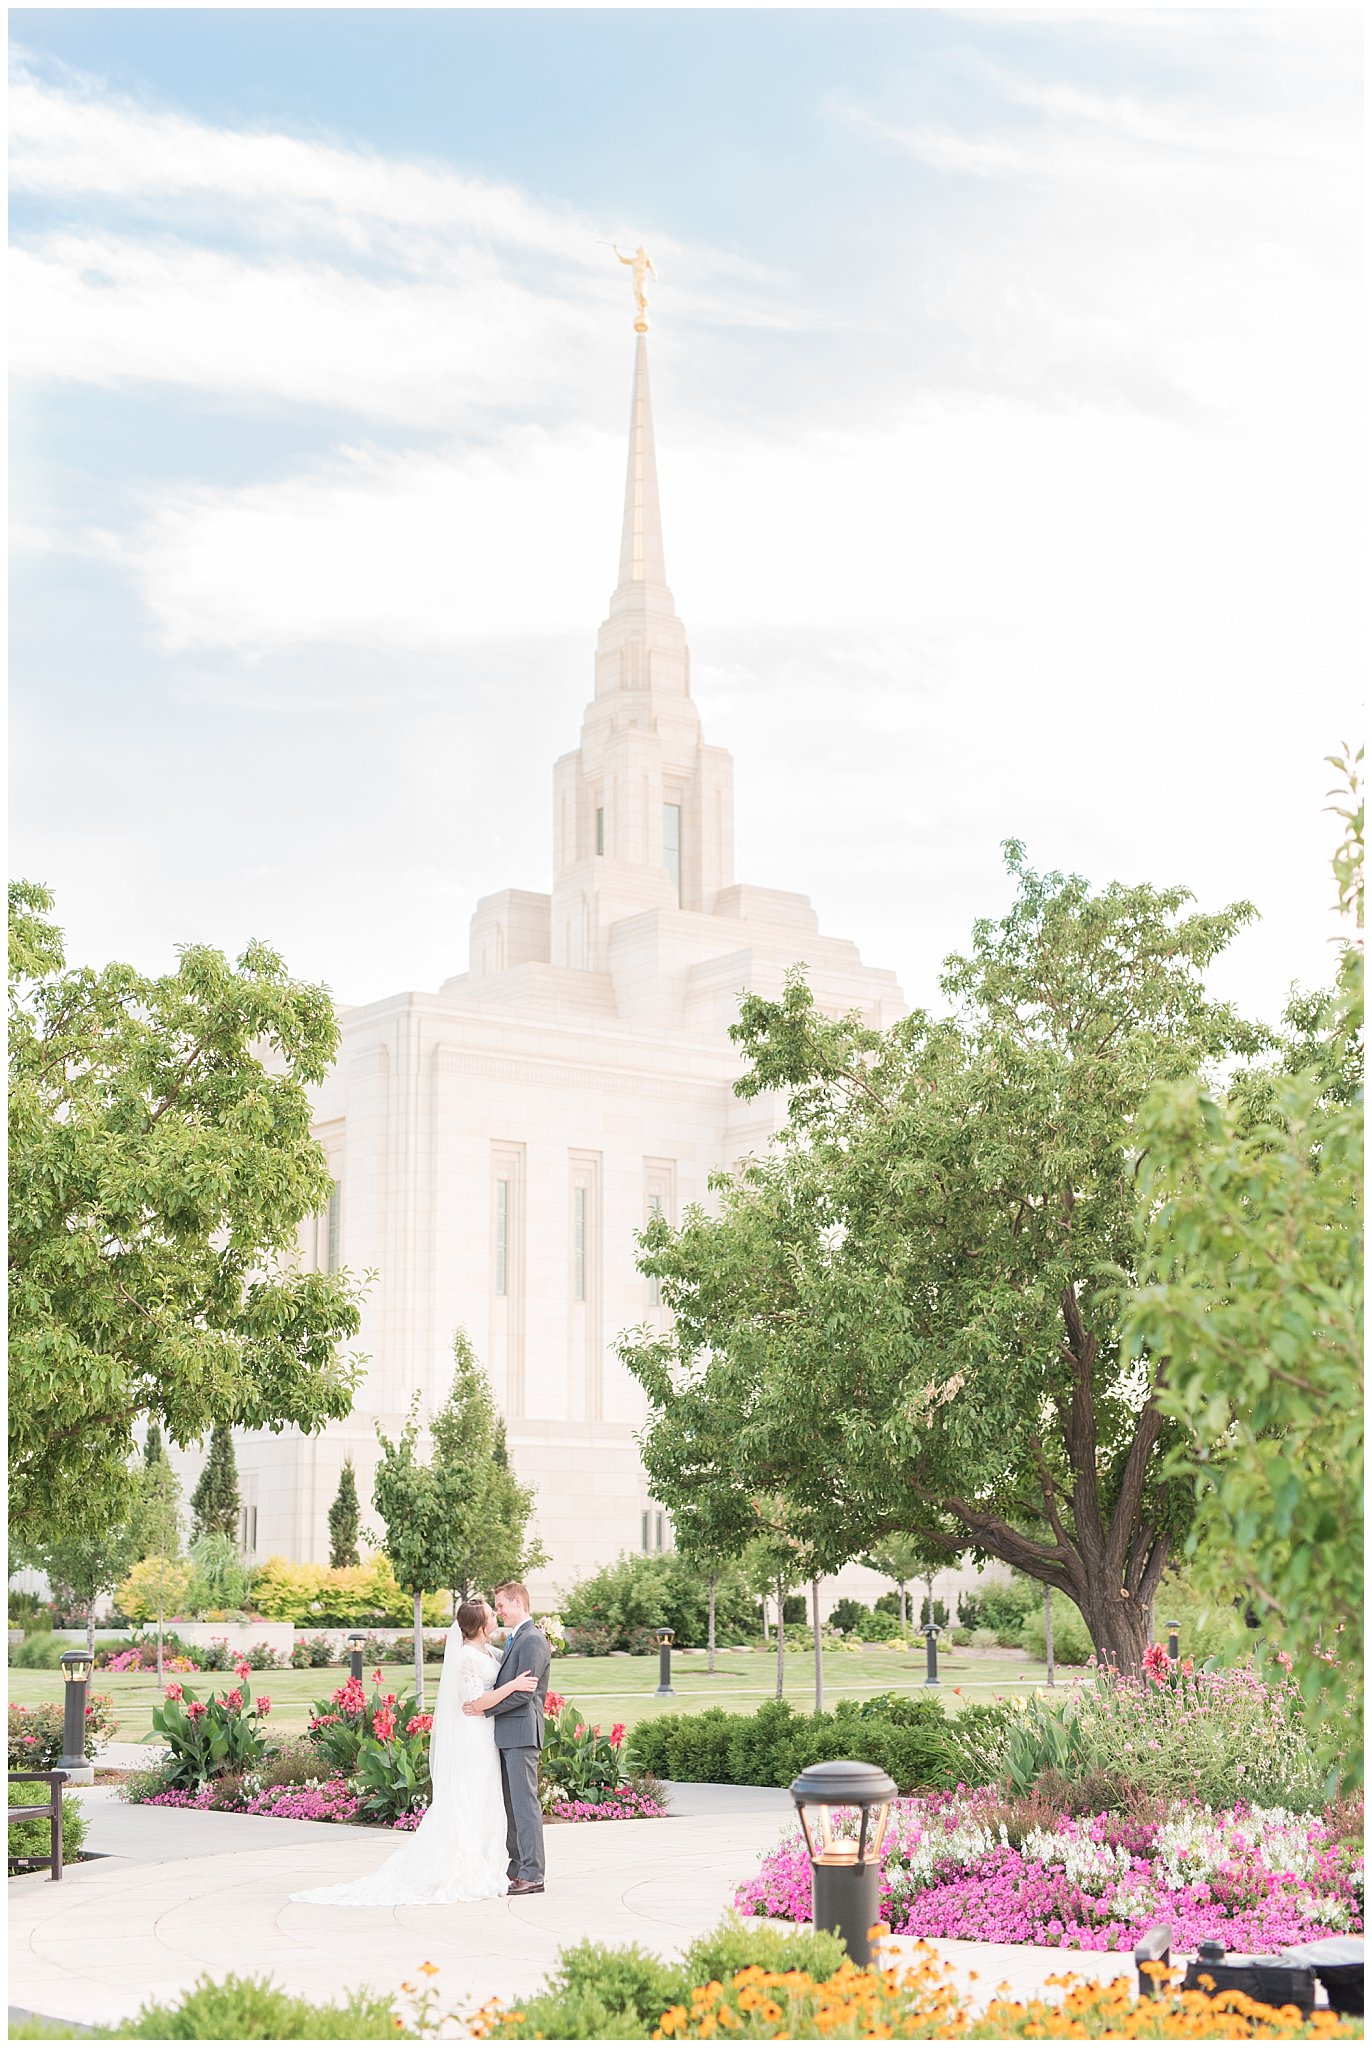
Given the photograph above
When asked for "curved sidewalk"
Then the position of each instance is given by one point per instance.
(171, 1894)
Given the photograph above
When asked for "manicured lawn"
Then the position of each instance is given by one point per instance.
(610, 1688)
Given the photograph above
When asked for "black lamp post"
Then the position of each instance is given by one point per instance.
(931, 1676)
(355, 1641)
(846, 1867)
(1174, 1641)
(76, 1671)
(665, 1638)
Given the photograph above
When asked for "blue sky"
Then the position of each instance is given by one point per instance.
(1006, 370)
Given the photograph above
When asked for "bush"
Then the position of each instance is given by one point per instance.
(639, 1592)
(35, 1733)
(940, 1613)
(311, 1653)
(880, 1628)
(349, 1596)
(1071, 1642)
(155, 1585)
(910, 1738)
(31, 1840)
(391, 1778)
(241, 2009)
(577, 1761)
(340, 1725)
(219, 1576)
(38, 1652)
(206, 1738)
(848, 1615)
(1000, 1607)
(794, 1610)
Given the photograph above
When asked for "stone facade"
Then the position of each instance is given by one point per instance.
(497, 1144)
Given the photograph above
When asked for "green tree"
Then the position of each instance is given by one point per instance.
(1252, 1289)
(81, 1568)
(219, 1577)
(344, 1524)
(469, 1441)
(431, 1518)
(903, 1558)
(903, 1318)
(155, 1538)
(160, 1163)
(215, 1503)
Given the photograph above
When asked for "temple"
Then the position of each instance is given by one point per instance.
(496, 1145)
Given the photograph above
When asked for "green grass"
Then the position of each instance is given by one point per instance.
(610, 1688)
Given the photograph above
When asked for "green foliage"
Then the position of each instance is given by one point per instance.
(921, 1255)
(156, 1586)
(215, 1502)
(344, 1521)
(225, 1737)
(35, 1733)
(219, 1576)
(912, 1741)
(41, 1652)
(342, 1725)
(1071, 1643)
(32, 1839)
(84, 1563)
(577, 1761)
(154, 1506)
(391, 1778)
(1253, 1291)
(620, 1994)
(469, 1444)
(617, 1607)
(245, 2009)
(1000, 1606)
(848, 1616)
(159, 1168)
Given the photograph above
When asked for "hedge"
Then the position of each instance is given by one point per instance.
(908, 1737)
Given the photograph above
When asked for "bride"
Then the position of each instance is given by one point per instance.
(457, 1853)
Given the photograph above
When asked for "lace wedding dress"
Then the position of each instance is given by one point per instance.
(457, 1853)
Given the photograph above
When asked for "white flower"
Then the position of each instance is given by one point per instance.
(1090, 1865)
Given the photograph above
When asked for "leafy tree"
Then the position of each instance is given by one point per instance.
(904, 1318)
(152, 1445)
(160, 1163)
(1252, 1288)
(84, 1566)
(469, 1441)
(155, 1587)
(431, 1516)
(344, 1524)
(903, 1558)
(215, 1503)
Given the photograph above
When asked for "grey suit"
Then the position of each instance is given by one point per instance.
(519, 1738)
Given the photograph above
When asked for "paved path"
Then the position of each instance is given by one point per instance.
(171, 1894)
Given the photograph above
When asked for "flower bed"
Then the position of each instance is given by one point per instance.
(1256, 1878)
(627, 1802)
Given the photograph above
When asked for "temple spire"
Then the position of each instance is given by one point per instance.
(642, 570)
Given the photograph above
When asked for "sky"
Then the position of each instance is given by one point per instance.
(1006, 379)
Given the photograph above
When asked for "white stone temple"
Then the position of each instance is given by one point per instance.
(496, 1145)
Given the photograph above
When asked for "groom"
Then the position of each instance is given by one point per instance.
(519, 1738)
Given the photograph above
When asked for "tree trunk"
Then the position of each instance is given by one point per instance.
(819, 1646)
(419, 1650)
(781, 1639)
(904, 1605)
(710, 1638)
(159, 1645)
(90, 1629)
(929, 1599)
(1048, 1631)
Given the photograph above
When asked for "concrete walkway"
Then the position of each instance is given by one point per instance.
(170, 1894)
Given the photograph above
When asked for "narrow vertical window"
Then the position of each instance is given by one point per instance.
(654, 1284)
(660, 1530)
(671, 844)
(335, 1253)
(502, 1237)
(578, 1244)
(600, 831)
(646, 1520)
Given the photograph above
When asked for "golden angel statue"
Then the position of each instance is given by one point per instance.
(641, 263)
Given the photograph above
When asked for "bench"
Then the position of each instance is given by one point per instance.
(52, 1812)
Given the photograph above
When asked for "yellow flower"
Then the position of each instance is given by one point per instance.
(429, 1969)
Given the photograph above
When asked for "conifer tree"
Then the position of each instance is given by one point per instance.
(215, 1502)
(343, 1520)
(152, 1445)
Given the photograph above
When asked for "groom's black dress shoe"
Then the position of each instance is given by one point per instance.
(521, 1888)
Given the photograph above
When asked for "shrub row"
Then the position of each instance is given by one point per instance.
(908, 1737)
(31, 1840)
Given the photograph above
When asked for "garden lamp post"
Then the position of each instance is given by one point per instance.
(931, 1676)
(846, 1866)
(355, 1641)
(665, 1638)
(1174, 1641)
(76, 1671)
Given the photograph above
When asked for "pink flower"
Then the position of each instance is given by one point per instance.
(242, 1668)
(617, 1735)
(1284, 1660)
(376, 1676)
(174, 1692)
(264, 1705)
(420, 1725)
(195, 1708)
(383, 1724)
(553, 1703)
(1155, 1663)
(234, 1700)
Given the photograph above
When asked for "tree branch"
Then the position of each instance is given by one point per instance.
(1130, 1500)
(1054, 1567)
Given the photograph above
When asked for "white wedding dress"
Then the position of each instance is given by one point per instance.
(457, 1853)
